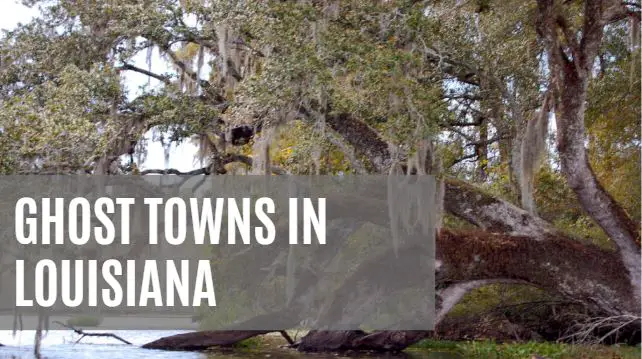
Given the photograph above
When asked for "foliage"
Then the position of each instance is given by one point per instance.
(400, 66)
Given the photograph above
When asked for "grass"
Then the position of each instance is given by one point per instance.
(492, 350)
(250, 343)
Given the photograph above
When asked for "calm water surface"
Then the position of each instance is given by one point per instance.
(61, 344)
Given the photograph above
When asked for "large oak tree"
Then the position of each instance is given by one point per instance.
(452, 88)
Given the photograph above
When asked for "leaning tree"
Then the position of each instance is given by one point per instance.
(461, 90)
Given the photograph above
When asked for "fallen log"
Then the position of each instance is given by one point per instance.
(202, 340)
(195, 341)
(359, 341)
(329, 341)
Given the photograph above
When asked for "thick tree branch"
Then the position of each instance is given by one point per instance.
(363, 139)
(477, 122)
(592, 31)
(469, 260)
(490, 213)
(465, 261)
(162, 78)
(460, 199)
(576, 270)
(225, 159)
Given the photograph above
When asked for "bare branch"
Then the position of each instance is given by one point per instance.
(477, 122)
(464, 158)
(486, 142)
(85, 334)
(172, 171)
(584, 331)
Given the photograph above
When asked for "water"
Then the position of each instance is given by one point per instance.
(61, 344)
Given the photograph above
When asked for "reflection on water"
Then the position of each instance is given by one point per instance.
(61, 344)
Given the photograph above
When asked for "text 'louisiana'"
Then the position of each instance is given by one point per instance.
(107, 284)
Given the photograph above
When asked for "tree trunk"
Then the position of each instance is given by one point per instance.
(598, 203)
(570, 77)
